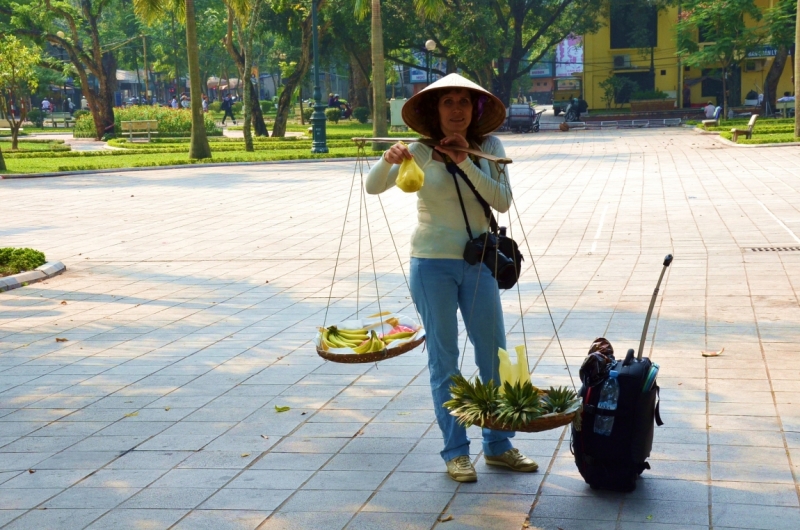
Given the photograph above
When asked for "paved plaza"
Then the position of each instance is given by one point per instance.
(192, 296)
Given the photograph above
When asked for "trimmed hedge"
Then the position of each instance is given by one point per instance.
(14, 260)
(170, 121)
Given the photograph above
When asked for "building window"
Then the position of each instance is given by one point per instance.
(633, 24)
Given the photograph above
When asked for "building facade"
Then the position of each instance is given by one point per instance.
(641, 47)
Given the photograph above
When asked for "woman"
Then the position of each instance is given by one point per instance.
(455, 112)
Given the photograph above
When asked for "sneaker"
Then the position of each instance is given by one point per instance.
(461, 469)
(514, 460)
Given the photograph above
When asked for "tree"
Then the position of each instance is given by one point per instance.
(780, 23)
(495, 42)
(150, 10)
(75, 28)
(17, 77)
(642, 17)
(245, 14)
(728, 37)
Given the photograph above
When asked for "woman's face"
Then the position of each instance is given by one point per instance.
(455, 112)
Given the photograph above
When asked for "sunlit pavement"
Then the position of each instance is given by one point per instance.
(192, 295)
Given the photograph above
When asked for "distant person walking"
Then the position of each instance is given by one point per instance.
(227, 107)
(70, 106)
(205, 104)
(45, 105)
(174, 103)
(84, 103)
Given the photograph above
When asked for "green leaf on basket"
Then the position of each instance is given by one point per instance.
(281, 409)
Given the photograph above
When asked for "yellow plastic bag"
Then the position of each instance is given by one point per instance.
(410, 178)
(513, 373)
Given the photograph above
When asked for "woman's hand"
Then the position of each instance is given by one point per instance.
(455, 140)
(397, 153)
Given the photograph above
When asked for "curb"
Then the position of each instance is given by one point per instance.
(179, 166)
(729, 143)
(46, 271)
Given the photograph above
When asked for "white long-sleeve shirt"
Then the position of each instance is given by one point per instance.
(441, 232)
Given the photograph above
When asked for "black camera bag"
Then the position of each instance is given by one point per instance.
(496, 240)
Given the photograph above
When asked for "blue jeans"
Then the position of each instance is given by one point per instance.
(439, 287)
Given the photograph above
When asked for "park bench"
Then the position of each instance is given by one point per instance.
(137, 127)
(715, 121)
(5, 125)
(747, 132)
(54, 118)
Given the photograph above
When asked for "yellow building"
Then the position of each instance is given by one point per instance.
(609, 52)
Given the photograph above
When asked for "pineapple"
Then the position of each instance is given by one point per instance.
(519, 405)
(558, 399)
(472, 402)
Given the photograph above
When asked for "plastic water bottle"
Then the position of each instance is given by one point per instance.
(609, 396)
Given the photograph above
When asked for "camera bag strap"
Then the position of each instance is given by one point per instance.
(453, 169)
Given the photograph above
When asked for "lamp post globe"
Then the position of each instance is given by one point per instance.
(430, 45)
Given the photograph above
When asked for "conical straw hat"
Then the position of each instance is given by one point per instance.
(491, 111)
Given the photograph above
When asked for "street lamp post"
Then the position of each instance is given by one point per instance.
(318, 143)
(430, 45)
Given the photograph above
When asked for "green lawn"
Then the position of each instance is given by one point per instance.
(51, 164)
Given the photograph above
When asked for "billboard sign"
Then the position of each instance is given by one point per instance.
(543, 68)
(569, 56)
(420, 75)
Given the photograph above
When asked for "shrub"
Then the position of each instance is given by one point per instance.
(78, 113)
(215, 106)
(333, 115)
(170, 122)
(237, 107)
(640, 95)
(361, 114)
(14, 260)
(266, 106)
(36, 117)
(307, 112)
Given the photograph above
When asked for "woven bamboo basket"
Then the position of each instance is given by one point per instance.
(386, 353)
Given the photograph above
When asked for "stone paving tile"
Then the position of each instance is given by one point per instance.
(66, 519)
(293, 520)
(138, 519)
(392, 521)
(222, 520)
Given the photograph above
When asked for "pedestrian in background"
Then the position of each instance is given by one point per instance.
(227, 107)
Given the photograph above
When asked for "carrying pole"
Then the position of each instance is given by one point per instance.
(667, 261)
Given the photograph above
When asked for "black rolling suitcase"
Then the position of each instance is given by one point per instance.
(614, 460)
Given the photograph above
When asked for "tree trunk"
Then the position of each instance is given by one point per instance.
(773, 76)
(358, 95)
(2, 161)
(724, 94)
(199, 147)
(291, 82)
(256, 116)
(248, 103)
(379, 126)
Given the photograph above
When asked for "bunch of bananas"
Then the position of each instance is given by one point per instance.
(362, 340)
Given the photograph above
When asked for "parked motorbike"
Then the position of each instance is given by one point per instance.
(574, 109)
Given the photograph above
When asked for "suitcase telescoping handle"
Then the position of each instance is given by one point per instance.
(667, 261)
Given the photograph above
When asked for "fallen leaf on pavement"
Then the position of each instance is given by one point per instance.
(445, 518)
(167, 408)
(132, 414)
(31, 471)
(403, 413)
(264, 436)
(281, 409)
(63, 302)
(712, 353)
(61, 339)
(245, 455)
